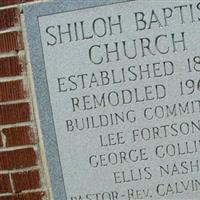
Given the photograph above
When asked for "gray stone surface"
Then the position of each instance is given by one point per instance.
(140, 96)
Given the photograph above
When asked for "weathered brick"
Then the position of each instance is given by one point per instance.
(11, 66)
(28, 196)
(17, 159)
(11, 2)
(19, 136)
(26, 180)
(5, 185)
(9, 18)
(14, 113)
(11, 41)
(12, 90)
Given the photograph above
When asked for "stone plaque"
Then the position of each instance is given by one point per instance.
(118, 87)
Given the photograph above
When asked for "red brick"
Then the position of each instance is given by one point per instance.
(11, 66)
(19, 136)
(5, 185)
(11, 2)
(12, 90)
(17, 159)
(28, 196)
(11, 41)
(14, 113)
(9, 18)
(26, 180)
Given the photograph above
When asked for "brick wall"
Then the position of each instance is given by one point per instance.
(21, 174)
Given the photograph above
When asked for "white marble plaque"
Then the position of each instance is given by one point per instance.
(124, 87)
